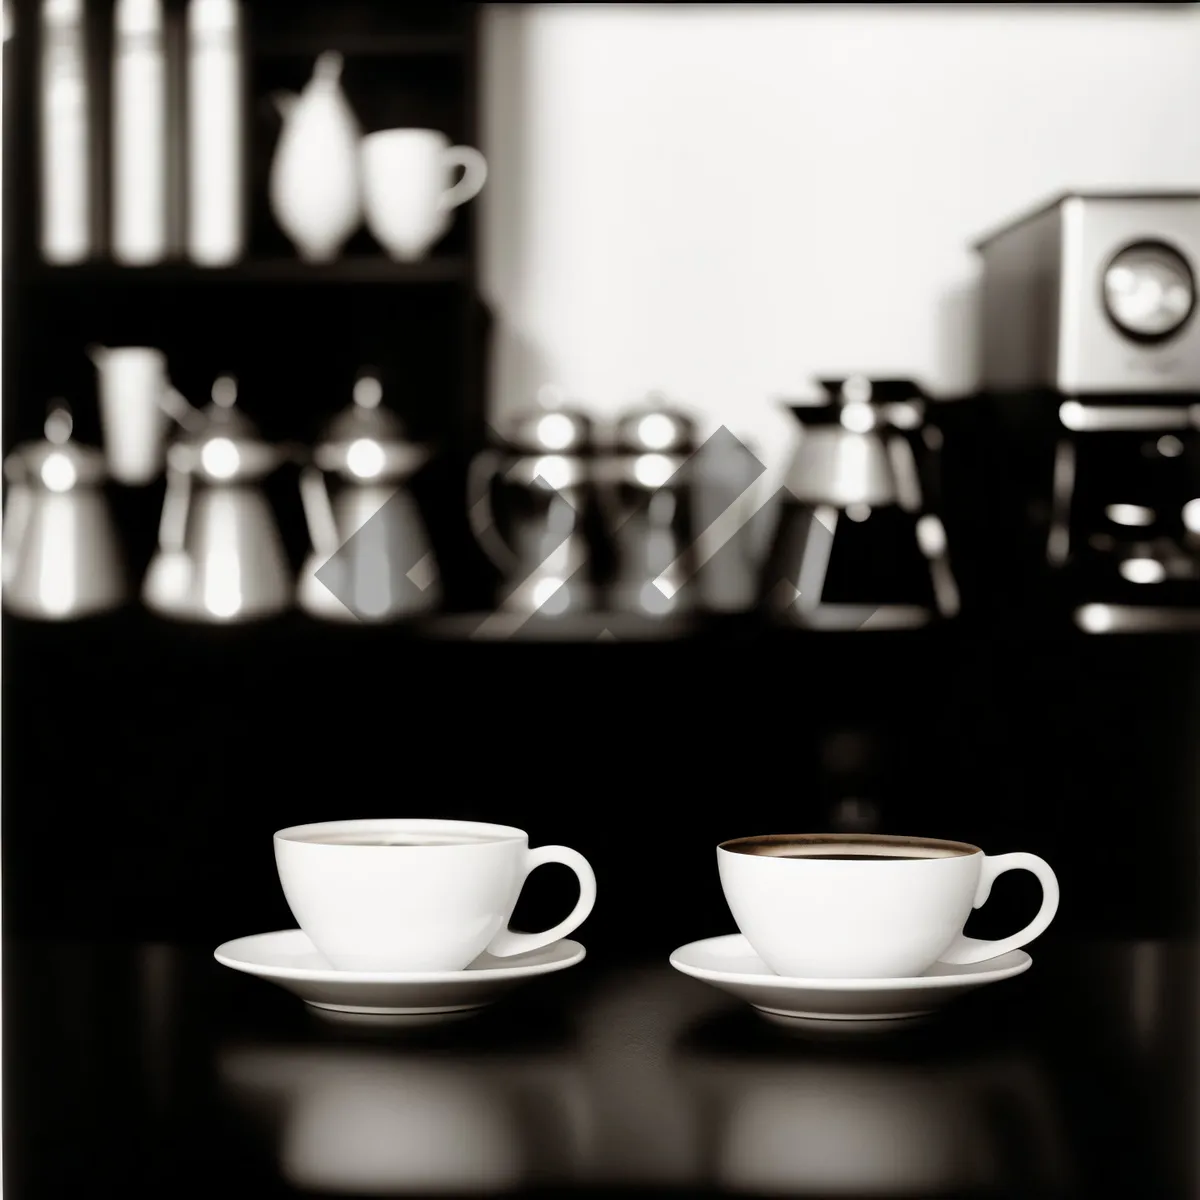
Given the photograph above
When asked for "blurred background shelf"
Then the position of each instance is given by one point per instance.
(364, 45)
(357, 269)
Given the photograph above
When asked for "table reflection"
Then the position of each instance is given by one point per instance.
(150, 1070)
(376, 1120)
(808, 1123)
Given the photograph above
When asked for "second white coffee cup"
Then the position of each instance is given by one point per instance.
(867, 906)
(412, 895)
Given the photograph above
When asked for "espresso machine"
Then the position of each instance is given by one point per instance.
(1091, 403)
(859, 543)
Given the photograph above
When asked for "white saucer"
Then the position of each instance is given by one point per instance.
(858, 1005)
(289, 959)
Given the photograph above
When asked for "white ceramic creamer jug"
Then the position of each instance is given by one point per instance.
(314, 184)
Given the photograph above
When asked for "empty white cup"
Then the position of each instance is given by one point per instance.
(408, 191)
(414, 895)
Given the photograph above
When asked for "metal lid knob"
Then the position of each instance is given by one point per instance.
(223, 445)
(551, 426)
(656, 426)
(57, 463)
(367, 442)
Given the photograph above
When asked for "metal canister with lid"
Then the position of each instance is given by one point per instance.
(649, 511)
(531, 499)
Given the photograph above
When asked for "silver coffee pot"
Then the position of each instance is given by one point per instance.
(371, 558)
(61, 556)
(220, 556)
(536, 531)
(858, 545)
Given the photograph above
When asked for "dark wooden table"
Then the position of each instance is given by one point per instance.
(148, 1069)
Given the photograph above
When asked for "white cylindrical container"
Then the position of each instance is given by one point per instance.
(215, 124)
(139, 133)
(66, 193)
(131, 387)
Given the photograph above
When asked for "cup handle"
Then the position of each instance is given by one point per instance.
(972, 950)
(475, 173)
(507, 942)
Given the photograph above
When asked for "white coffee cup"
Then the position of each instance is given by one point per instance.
(867, 906)
(408, 193)
(417, 895)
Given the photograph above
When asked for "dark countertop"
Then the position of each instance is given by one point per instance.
(148, 1069)
(186, 748)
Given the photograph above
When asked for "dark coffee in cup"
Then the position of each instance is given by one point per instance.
(850, 847)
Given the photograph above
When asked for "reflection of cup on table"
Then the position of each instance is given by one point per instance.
(135, 399)
(408, 193)
(878, 1128)
(361, 1121)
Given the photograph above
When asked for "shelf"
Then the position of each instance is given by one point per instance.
(448, 269)
(404, 45)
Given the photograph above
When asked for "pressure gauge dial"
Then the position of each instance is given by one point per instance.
(1149, 291)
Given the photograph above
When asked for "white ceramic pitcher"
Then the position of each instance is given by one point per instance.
(314, 183)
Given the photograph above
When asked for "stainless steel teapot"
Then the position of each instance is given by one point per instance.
(220, 556)
(371, 559)
(61, 556)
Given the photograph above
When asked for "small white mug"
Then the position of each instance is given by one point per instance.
(408, 196)
(868, 906)
(417, 895)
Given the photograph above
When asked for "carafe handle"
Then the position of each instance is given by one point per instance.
(318, 513)
(172, 526)
(14, 469)
(16, 517)
(180, 409)
(480, 475)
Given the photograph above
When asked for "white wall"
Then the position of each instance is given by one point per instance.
(725, 200)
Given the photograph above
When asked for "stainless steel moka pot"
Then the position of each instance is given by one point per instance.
(371, 557)
(220, 556)
(61, 556)
(530, 497)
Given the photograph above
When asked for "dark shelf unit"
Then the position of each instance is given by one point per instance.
(295, 334)
(372, 269)
(366, 45)
(405, 65)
